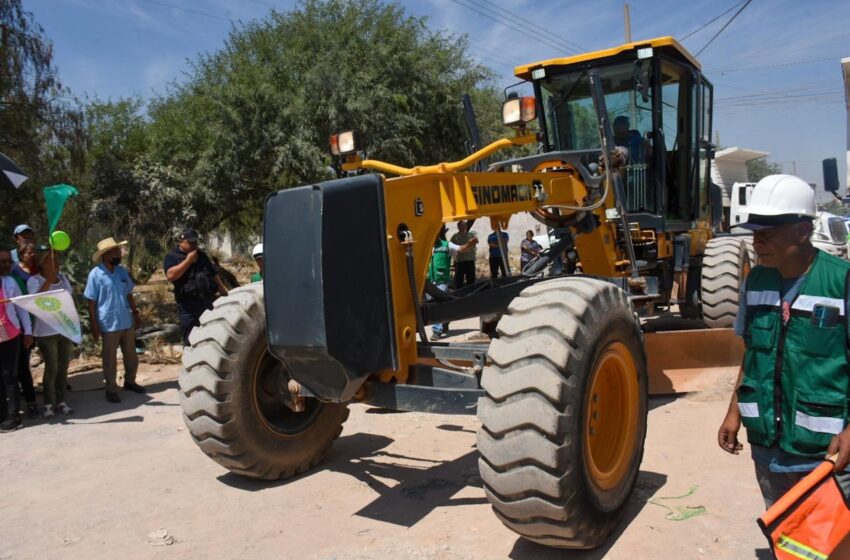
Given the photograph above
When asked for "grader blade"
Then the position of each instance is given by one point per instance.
(691, 360)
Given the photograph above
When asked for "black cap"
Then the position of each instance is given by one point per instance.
(189, 234)
(756, 222)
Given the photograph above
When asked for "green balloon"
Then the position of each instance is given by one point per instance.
(60, 240)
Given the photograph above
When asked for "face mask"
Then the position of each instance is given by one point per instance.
(115, 261)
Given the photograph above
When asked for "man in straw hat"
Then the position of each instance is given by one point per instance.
(114, 315)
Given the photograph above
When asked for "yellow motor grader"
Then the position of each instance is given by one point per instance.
(621, 177)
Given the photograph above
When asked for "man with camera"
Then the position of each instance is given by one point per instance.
(195, 280)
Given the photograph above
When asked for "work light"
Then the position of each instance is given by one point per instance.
(519, 111)
(343, 143)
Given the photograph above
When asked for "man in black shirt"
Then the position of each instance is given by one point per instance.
(195, 280)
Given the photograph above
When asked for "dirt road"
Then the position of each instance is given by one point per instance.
(124, 481)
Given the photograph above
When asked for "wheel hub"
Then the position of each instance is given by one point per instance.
(278, 409)
(611, 416)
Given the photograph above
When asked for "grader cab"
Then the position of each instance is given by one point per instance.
(621, 177)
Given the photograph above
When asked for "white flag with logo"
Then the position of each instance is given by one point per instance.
(56, 309)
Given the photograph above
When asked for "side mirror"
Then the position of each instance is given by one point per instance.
(830, 175)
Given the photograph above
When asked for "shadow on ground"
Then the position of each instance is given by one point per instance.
(648, 483)
(423, 484)
(91, 404)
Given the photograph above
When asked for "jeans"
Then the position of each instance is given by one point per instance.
(774, 485)
(126, 339)
(464, 273)
(190, 312)
(25, 375)
(439, 328)
(56, 350)
(497, 266)
(681, 252)
(9, 359)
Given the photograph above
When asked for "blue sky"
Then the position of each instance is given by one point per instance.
(787, 49)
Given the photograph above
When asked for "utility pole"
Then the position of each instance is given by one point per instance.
(845, 69)
(628, 22)
(794, 167)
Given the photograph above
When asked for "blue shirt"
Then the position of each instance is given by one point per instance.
(109, 291)
(494, 251)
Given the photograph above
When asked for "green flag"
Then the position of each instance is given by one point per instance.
(55, 197)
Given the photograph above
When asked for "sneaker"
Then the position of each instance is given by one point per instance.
(113, 397)
(32, 410)
(135, 387)
(48, 411)
(65, 409)
(11, 424)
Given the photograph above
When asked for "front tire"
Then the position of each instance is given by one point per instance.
(563, 421)
(230, 397)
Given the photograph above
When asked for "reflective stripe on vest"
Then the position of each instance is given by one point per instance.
(749, 410)
(822, 424)
(798, 549)
(766, 297)
(807, 303)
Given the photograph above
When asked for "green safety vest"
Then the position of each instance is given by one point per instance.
(796, 382)
(438, 270)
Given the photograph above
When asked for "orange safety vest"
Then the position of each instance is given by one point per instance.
(810, 520)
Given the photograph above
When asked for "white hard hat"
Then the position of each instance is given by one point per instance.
(779, 199)
(258, 250)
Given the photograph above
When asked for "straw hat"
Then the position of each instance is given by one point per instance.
(104, 246)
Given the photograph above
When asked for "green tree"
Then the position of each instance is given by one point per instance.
(759, 168)
(255, 116)
(128, 195)
(39, 128)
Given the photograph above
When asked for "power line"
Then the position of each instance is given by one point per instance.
(779, 65)
(554, 36)
(722, 29)
(779, 95)
(189, 10)
(712, 20)
(510, 25)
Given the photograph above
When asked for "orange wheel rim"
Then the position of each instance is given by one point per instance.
(611, 416)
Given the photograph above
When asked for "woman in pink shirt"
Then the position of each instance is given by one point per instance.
(15, 334)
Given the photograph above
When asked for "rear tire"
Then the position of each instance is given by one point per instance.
(563, 421)
(228, 391)
(725, 265)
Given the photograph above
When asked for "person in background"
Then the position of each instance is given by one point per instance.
(529, 248)
(257, 253)
(22, 271)
(497, 265)
(15, 333)
(55, 348)
(23, 234)
(195, 280)
(439, 271)
(114, 316)
(464, 262)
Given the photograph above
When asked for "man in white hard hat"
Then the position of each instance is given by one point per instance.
(792, 392)
(257, 253)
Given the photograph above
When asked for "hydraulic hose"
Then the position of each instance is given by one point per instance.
(542, 260)
(411, 277)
